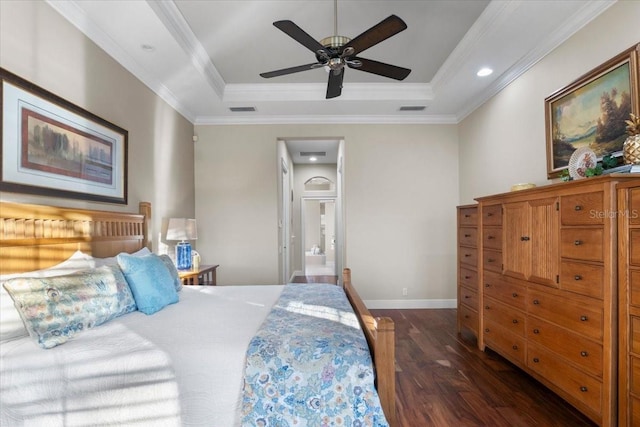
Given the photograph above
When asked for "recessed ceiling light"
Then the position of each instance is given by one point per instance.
(483, 72)
(313, 159)
(148, 48)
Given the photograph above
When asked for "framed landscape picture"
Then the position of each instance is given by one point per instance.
(591, 112)
(52, 147)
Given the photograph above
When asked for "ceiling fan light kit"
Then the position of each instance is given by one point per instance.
(335, 52)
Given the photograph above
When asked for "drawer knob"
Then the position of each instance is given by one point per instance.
(515, 347)
(583, 318)
(515, 295)
(491, 260)
(515, 321)
(486, 330)
(467, 255)
(487, 285)
(467, 235)
(536, 302)
(536, 331)
(577, 277)
(584, 353)
(536, 360)
(466, 316)
(486, 307)
(489, 214)
(467, 215)
(467, 296)
(490, 237)
(467, 277)
(584, 389)
(577, 242)
(524, 238)
(578, 208)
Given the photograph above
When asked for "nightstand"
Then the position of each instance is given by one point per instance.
(205, 275)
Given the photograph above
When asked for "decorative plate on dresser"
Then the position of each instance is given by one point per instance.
(581, 160)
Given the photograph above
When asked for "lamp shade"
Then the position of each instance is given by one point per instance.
(182, 229)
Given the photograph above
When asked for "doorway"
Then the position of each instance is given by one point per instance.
(318, 225)
(315, 172)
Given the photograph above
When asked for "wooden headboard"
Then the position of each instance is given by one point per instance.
(33, 237)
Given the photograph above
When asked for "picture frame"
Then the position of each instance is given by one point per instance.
(51, 147)
(591, 111)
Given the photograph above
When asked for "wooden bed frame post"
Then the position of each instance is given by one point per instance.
(144, 208)
(380, 334)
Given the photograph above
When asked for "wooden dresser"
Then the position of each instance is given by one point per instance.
(468, 268)
(628, 216)
(548, 287)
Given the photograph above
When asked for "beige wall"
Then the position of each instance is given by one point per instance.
(401, 188)
(503, 142)
(39, 45)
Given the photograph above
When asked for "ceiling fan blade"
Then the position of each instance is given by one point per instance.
(291, 70)
(379, 68)
(379, 32)
(299, 35)
(334, 87)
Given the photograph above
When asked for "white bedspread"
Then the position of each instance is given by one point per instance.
(180, 366)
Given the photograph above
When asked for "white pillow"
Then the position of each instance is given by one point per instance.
(113, 261)
(11, 325)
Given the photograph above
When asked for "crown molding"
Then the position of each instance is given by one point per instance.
(584, 15)
(73, 13)
(319, 119)
(170, 15)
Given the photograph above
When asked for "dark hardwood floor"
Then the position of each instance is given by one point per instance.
(443, 380)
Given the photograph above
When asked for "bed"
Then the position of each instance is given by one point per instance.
(184, 364)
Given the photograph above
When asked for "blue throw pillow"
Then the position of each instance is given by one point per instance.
(173, 271)
(150, 282)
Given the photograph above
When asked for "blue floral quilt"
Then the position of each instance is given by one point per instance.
(309, 364)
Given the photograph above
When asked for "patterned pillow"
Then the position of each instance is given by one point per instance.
(11, 325)
(173, 271)
(150, 282)
(54, 309)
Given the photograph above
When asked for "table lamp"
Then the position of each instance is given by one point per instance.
(182, 229)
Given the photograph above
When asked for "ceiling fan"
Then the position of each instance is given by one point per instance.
(335, 52)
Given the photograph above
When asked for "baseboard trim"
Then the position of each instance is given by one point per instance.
(410, 303)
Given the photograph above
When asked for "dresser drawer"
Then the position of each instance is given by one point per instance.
(468, 278)
(511, 319)
(492, 238)
(582, 209)
(508, 344)
(585, 279)
(492, 215)
(635, 375)
(634, 326)
(582, 243)
(634, 247)
(468, 236)
(635, 411)
(574, 347)
(468, 216)
(492, 260)
(495, 286)
(469, 297)
(468, 318)
(634, 287)
(585, 319)
(582, 387)
(468, 256)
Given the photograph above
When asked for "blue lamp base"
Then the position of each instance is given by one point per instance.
(183, 256)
